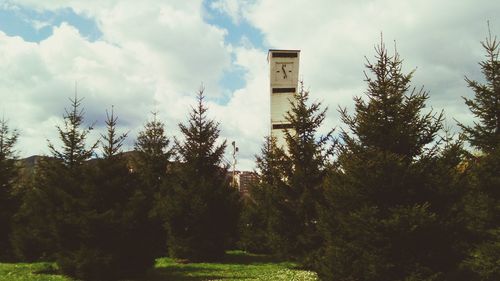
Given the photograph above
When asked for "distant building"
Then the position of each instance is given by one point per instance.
(243, 180)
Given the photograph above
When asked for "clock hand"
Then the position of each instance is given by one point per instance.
(284, 71)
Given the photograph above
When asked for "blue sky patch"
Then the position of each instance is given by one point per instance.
(235, 32)
(241, 33)
(35, 26)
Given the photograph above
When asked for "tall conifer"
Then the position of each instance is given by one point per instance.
(483, 202)
(49, 220)
(115, 241)
(201, 208)
(261, 211)
(9, 197)
(151, 163)
(293, 219)
(283, 205)
(485, 133)
(387, 216)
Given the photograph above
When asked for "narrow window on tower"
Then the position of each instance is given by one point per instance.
(284, 55)
(283, 90)
(282, 126)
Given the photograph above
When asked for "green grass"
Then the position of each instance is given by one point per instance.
(236, 265)
(29, 272)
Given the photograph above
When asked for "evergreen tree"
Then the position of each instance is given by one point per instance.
(49, 219)
(260, 208)
(153, 153)
(485, 134)
(115, 242)
(151, 163)
(72, 179)
(283, 210)
(483, 217)
(9, 201)
(34, 229)
(304, 169)
(112, 144)
(74, 151)
(201, 207)
(389, 213)
(295, 185)
(483, 202)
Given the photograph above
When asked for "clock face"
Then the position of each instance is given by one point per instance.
(283, 71)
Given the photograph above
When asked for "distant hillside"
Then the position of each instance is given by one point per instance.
(243, 179)
(28, 164)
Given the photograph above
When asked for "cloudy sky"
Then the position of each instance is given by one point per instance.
(144, 56)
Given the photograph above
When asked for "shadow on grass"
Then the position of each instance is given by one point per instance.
(188, 273)
(47, 268)
(235, 265)
(216, 270)
(242, 258)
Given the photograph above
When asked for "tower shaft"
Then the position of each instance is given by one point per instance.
(283, 77)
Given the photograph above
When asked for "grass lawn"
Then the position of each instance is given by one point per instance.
(236, 265)
(29, 272)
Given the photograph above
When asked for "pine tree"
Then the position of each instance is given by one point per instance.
(304, 168)
(284, 204)
(483, 200)
(151, 163)
(74, 151)
(153, 153)
(49, 220)
(9, 197)
(115, 242)
(290, 189)
(200, 208)
(260, 208)
(112, 143)
(72, 180)
(483, 206)
(485, 134)
(387, 214)
(34, 228)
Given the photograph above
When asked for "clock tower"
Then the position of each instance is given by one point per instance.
(284, 76)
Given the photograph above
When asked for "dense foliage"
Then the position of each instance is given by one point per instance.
(388, 215)
(483, 198)
(49, 220)
(114, 243)
(91, 215)
(151, 163)
(260, 207)
(9, 197)
(282, 213)
(200, 207)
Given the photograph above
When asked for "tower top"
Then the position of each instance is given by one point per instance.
(282, 53)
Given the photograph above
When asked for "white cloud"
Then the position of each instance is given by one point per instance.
(149, 57)
(156, 56)
(8, 6)
(245, 119)
(37, 24)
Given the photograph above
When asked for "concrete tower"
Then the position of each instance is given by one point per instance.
(283, 76)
